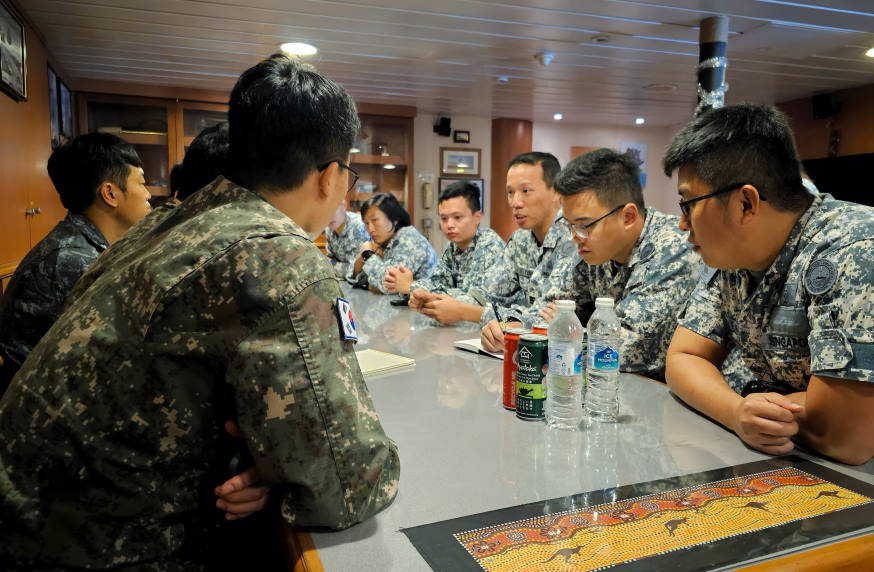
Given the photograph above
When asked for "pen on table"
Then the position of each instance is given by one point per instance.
(498, 317)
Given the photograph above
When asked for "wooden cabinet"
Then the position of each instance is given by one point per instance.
(159, 129)
(383, 157)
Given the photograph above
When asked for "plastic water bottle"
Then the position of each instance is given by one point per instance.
(602, 364)
(564, 383)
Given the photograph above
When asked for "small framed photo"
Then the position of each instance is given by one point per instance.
(480, 183)
(455, 161)
(54, 108)
(13, 68)
(66, 102)
(461, 136)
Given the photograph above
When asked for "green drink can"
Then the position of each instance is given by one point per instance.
(531, 377)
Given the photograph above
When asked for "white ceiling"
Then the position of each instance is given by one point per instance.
(445, 57)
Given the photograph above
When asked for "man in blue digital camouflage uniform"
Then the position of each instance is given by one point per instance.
(464, 265)
(225, 309)
(344, 236)
(793, 289)
(631, 253)
(540, 256)
(99, 178)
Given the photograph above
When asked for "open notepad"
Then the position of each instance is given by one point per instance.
(373, 362)
(474, 345)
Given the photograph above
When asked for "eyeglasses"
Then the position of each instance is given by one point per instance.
(343, 165)
(581, 230)
(685, 205)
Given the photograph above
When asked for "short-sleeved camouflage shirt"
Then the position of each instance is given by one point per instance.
(649, 290)
(407, 248)
(458, 271)
(811, 313)
(41, 283)
(530, 275)
(112, 428)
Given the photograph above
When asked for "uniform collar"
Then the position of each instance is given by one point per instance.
(457, 252)
(91, 233)
(554, 234)
(644, 247)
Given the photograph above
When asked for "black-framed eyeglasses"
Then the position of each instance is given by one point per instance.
(581, 230)
(343, 165)
(685, 206)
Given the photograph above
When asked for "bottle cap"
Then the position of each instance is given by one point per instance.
(604, 302)
(566, 305)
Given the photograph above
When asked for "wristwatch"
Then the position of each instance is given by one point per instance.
(367, 254)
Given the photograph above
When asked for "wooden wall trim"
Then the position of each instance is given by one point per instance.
(151, 91)
(365, 108)
(509, 138)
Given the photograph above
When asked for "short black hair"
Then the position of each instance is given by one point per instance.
(78, 167)
(206, 159)
(547, 162)
(286, 120)
(613, 177)
(465, 189)
(175, 178)
(389, 205)
(742, 144)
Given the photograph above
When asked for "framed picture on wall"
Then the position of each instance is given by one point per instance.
(456, 161)
(54, 108)
(480, 183)
(66, 102)
(13, 68)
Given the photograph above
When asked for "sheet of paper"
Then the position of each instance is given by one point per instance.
(373, 362)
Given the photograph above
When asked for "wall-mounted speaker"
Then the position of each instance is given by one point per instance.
(442, 127)
(824, 105)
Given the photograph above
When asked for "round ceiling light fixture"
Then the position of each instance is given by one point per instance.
(298, 49)
(660, 87)
(870, 53)
(557, 116)
(639, 121)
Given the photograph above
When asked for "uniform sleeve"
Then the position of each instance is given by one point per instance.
(648, 311)
(441, 281)
(841, 319)
(409, 249)
(553, 281)
(308, 417)
(501, 285)
(489, 253)
(703, 312)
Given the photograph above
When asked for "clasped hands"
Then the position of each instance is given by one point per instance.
(768, 421)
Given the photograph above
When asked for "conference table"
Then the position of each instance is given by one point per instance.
(462, 453)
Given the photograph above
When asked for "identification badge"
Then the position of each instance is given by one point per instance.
(347, 320)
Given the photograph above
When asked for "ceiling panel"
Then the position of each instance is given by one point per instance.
(450, 57)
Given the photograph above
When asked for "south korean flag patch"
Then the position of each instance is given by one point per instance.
(348, 331)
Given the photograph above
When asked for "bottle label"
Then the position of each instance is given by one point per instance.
(603, 357)
(564, 359)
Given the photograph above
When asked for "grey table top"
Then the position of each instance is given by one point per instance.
(462, 453)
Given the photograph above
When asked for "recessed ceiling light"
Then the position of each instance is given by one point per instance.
(557, 116)
(870, 53)
(639, 121)
(503, 79)
(298, 49)
(661, 87)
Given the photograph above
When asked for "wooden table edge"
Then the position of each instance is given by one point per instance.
(853, 554)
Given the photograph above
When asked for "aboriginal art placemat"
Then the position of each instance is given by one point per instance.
(693, 522)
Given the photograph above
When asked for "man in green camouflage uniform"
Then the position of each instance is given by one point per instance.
(631, 253)
(793, 290)
(223, 310)
(540, 256)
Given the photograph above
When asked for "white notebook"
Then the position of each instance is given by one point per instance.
(373, 362)
(475, 345)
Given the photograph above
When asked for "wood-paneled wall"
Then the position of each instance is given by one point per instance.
(24, 149)
(509, 138)
(854, 124)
